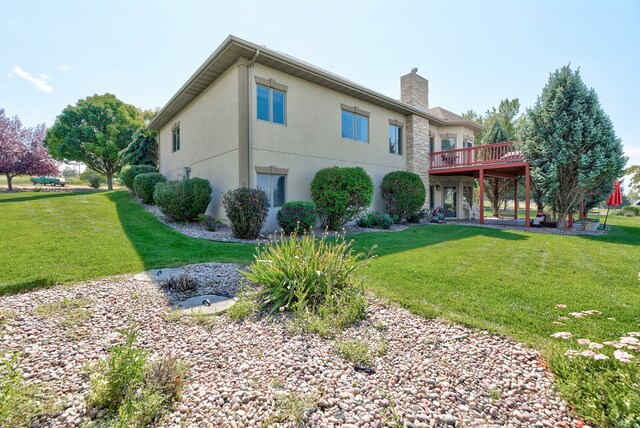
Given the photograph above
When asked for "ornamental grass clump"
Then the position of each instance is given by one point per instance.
(311, 276)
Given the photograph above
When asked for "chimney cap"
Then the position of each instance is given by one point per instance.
(414, 70)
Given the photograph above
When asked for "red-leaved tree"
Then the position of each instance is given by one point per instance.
(21, 150)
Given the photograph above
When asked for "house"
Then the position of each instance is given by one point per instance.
(251, 116)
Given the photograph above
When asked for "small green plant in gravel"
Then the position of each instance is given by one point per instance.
(292, 407)
(355, 350)
(6, 315)
(67, 312)
(133, 390)
(245, 306)
(20, 405)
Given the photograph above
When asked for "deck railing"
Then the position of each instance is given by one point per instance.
(507, 152)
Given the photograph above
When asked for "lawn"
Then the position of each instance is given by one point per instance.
(500, 280)
(49, 238)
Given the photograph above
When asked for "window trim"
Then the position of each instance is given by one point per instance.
(356, 112)
(271, 85)
(175, 142)
(399, 125)
(273, 171)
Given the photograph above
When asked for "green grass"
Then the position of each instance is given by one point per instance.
(510, 281)
(49, 238)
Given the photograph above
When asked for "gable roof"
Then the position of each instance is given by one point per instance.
(234, 48)
(449, 117)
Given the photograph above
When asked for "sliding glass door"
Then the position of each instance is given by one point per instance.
(450, 201)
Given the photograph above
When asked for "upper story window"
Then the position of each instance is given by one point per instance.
(355, 123)
(395, 137)
(175, 138)
(432, 143)
(273, 182)
(448, 142)
(271, 101)
(467, 144)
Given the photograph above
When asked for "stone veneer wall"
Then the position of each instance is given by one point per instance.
(414, 90)
(417, 151)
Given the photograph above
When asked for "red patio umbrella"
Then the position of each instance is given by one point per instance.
(614, 199)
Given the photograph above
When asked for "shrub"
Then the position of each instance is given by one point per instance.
(304, 273)
(129, 173)
(375, 220)
(403, 194)
(210, 223)
(134, 391)
(182, 282)
(297, 216)
(183, 200)
(341, 194)
(93, 178)
(419, 217)
(145, 184)
(355, 350)
(633, 209)
(247, 211)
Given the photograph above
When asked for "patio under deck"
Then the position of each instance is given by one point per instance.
(503, 160)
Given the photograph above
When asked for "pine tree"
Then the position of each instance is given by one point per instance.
(571, 144)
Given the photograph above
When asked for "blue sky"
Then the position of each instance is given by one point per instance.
(474, 53)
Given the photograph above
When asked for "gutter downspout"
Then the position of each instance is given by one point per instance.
(250, 124)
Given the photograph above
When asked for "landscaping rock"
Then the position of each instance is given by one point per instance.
(206, 304)
(432, 373)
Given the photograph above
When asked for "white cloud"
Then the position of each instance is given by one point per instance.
(5, 86)
(44, 76)
(39, 84)
(64, 67)
(9, 75)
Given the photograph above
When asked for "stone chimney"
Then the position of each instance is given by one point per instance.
(414, 90)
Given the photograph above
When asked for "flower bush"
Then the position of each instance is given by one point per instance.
(375, 220)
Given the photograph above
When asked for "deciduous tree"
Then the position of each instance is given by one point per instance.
(21, 150)
(495, 188)
(571, 144)
(95, 131)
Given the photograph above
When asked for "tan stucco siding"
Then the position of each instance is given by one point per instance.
(459, 131)
(312, 137)
(209, 134)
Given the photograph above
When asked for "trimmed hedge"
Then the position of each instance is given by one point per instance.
(129, 173)
(297, 216)
(144, 185)
(632, 208)
(341, 194)
(183, 200)
(375, 220)
(403, 194)
(247, 210)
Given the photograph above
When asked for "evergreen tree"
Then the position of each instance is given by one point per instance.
(571, 144)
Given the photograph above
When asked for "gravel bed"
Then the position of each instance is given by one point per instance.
(223, 232)
(433, 373)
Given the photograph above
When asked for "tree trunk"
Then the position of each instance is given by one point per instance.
(110, 181)
(9, 178)
(496, 207)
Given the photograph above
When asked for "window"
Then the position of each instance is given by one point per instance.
(271, 104)
(274, 186)
(448, 142)
(355, 124)
(395, 137)
(175, 145)
(432, 144)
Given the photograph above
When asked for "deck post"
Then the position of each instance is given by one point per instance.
(527, 202)
(481, 179)
(515, 199)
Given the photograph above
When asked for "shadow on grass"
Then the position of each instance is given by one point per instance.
(160, 246)
(32, 196)
(427, 235)
(21, 287)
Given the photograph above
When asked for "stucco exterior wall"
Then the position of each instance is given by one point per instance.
(312, 137)
(209, 134)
